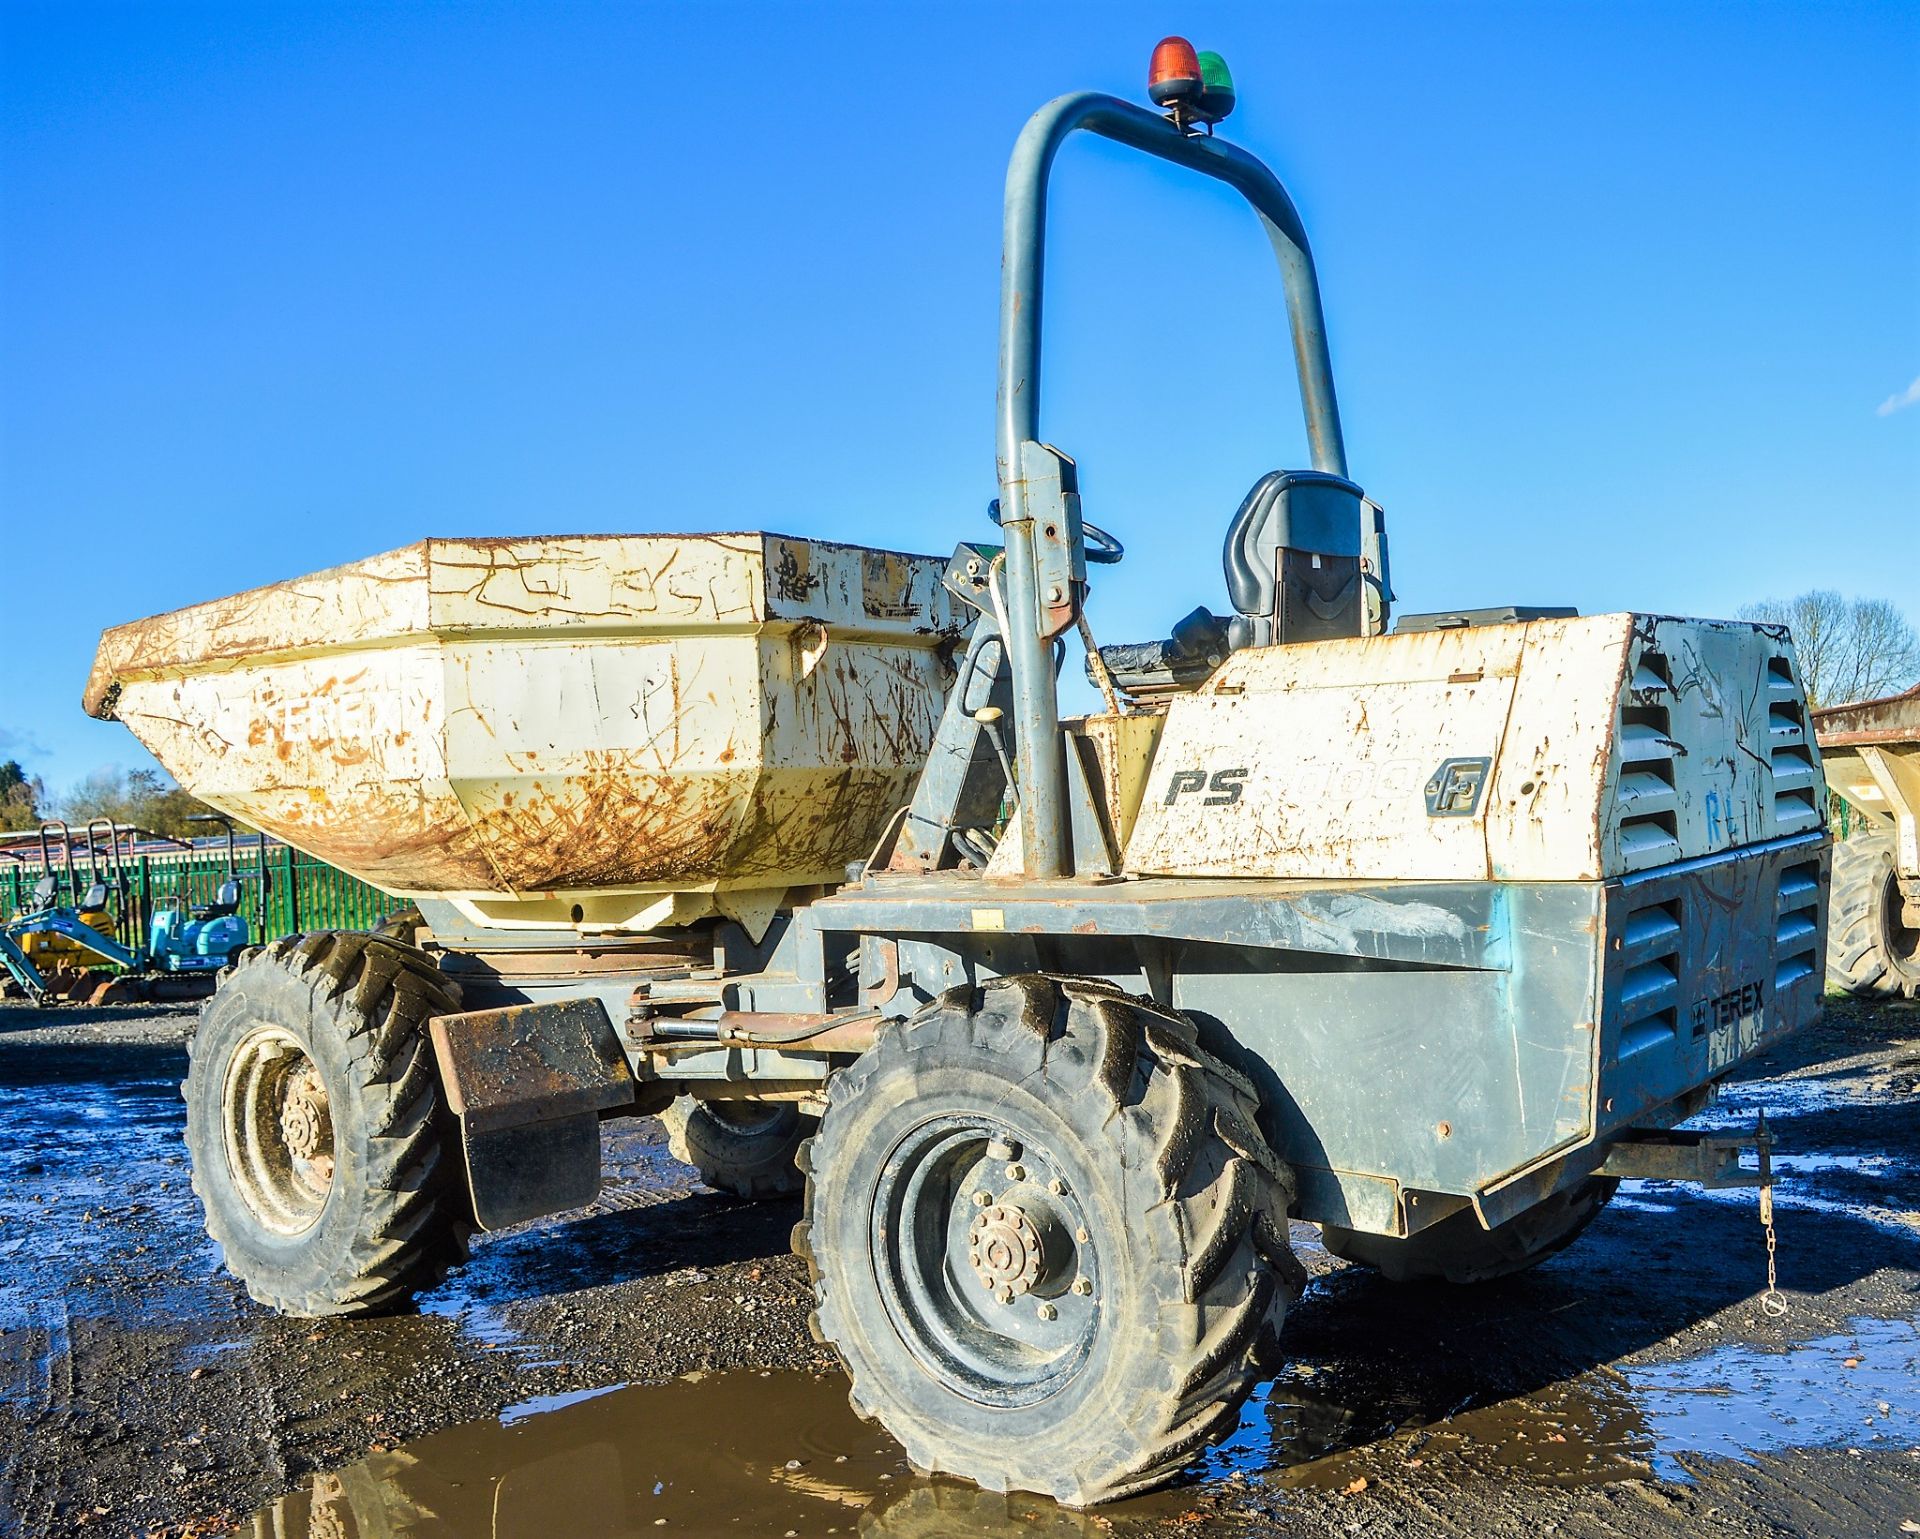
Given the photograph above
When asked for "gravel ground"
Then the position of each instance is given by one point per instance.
(646, 1365)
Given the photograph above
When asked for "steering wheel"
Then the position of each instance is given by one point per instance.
(1101, 548)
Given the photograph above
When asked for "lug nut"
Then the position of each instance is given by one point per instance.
(1048, 1312)
(1016, 1172)
(983, 1199)
(1081, 1235)
(1057, 1187)
(1083, 1286)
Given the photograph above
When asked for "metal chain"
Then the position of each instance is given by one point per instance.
(1771, 1303)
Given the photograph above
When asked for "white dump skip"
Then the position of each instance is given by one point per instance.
(625, 724)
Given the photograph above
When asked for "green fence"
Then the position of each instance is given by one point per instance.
(300, 893)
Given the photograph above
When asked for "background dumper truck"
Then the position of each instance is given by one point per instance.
(1424, 935)
(1872, 753)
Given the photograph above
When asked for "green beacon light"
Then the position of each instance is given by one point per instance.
(1216, 89)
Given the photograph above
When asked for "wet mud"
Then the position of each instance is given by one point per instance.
(645, 1367)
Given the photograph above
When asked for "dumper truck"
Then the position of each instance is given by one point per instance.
(1872, 753)
(1423, 933)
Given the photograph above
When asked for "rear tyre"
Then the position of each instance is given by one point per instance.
(1458, 1250)
(403, 925)
(1047, 1239)
(1870, 952)
(744, 1148)
(322, 1154)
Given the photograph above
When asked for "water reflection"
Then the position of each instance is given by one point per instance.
(725, 1454)
(780, 1454)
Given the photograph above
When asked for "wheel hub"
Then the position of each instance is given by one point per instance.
(987, 1265)
(1006, 1251)
(303, 1114)
(278, 1130)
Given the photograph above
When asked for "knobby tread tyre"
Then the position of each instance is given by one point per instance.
(754, 1161)
(1865, 952)
(396, 1214)
(1458, 1250)
(403, 924)
(1187, 1199)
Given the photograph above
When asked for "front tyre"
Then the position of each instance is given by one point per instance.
(321, 1152)
(1047, 1239)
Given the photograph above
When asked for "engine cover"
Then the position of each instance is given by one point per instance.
(1561, 749)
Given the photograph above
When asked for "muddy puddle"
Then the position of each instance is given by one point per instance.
(781, 1453)
(56, 1257)
(1616, 1423)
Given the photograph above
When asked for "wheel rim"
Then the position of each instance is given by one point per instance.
(279, 1131)
(986, 1261)
(1902, 944)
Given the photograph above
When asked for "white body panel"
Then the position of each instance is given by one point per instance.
(1610, 744)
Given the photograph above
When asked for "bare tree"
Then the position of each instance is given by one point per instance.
(1850, 649)
(143, 797)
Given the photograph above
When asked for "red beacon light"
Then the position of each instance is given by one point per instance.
(1192, 87)
(1173, 76)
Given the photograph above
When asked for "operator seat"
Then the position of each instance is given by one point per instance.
(1293, 561)
(1293, 570)
(226, 901)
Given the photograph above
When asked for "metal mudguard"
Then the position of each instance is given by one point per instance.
(528, 1084)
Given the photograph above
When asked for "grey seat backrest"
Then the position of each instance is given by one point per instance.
(1292, 560)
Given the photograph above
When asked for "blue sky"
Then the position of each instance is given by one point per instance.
(1616, 294)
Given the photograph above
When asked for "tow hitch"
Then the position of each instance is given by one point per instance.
(1705, 1159)
(1710, 1160)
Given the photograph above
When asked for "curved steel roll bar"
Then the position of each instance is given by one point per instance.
(1042, 801)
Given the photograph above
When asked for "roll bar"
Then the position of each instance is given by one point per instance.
(1042, 799)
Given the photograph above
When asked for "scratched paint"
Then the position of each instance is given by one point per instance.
(518, 722)
(1604, 745)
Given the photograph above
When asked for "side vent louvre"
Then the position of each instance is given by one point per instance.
(1650, 984)
(1795, 806)
(1649, 834)
(1796, 926)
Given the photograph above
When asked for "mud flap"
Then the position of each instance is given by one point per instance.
(528, 1084)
